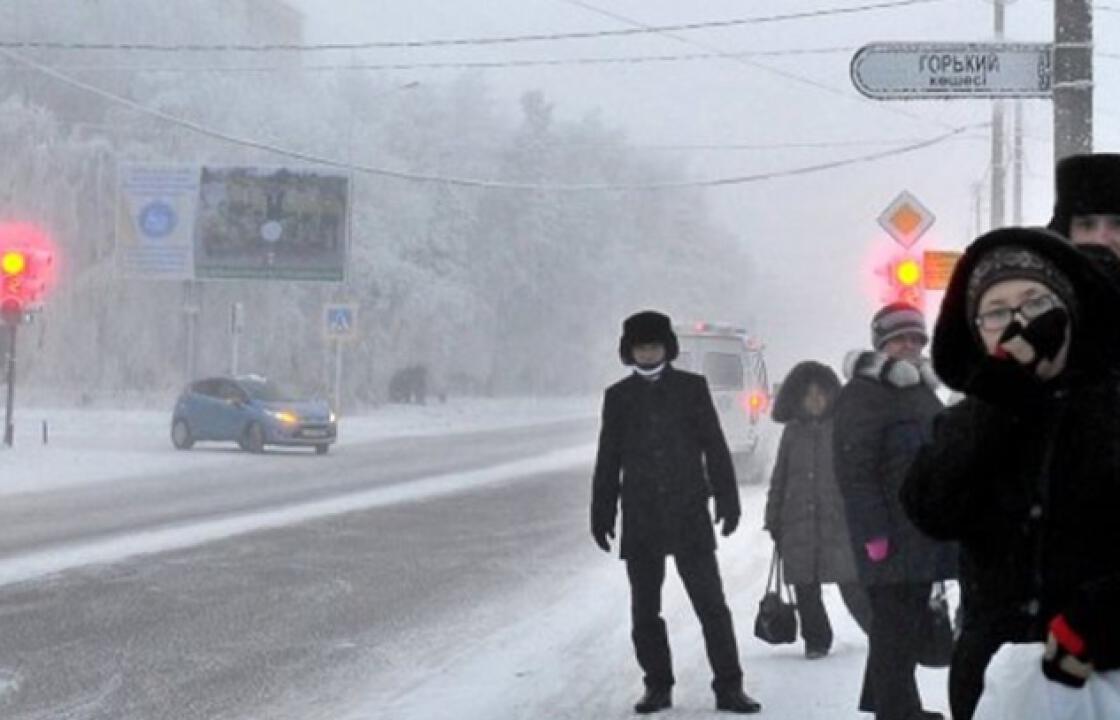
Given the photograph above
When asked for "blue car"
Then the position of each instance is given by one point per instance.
(252, 412)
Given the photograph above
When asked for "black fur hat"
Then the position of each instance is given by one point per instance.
(648, 326)
(1085, 185)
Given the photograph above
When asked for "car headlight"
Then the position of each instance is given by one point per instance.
(288, 418)
(333, 417)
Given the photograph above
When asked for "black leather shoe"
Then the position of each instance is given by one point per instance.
(655, 699)
(815, 653)
(737, 701)
(929, 715)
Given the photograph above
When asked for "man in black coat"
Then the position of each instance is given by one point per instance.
(882, 416)
(662, 451)
(1025, 472)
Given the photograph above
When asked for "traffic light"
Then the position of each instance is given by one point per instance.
(906, 279)
(26, 269)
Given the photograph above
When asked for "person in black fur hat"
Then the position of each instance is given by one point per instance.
(662, 452)
(1087, 207)
(1023, 472)
(804, 508)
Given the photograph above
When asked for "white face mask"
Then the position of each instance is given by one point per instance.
(649, 372)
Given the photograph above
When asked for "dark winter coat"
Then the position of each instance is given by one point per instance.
(662, 452)
(881, 418)
(804, 509)
(1027, 476)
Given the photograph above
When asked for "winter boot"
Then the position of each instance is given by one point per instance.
(737, 701)
(655, 699)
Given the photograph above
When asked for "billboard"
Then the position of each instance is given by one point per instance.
(155, 221)
(257, 223)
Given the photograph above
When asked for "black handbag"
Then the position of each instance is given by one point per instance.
(936, 650)
(776, 622)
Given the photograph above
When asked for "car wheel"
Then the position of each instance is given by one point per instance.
(322, 449)
(181, 435)
(254, 438)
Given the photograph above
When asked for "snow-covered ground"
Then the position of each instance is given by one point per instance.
(565, 652)
(96, 445)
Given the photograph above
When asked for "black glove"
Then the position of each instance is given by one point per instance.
(601, 535)
(1045, 334)
(730, 520)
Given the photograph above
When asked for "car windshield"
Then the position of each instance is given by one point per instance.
(267, 391)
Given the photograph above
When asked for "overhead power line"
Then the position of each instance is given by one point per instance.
(443, 42)
(474, 182)
(459, 65)
(749, 63)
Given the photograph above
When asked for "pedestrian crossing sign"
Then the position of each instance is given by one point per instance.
(339, 321)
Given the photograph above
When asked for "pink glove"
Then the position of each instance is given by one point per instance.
(877, 549)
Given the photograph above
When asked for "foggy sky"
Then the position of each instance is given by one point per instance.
(813, 238)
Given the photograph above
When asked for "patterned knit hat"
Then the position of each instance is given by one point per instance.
(1013, 262)
(894, 320)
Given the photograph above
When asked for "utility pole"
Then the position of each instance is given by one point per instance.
(1017, 167)
(999, 168)
(12, 324)
(1073, 78)
(978, 208)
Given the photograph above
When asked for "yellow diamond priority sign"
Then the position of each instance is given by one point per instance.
(906, 219)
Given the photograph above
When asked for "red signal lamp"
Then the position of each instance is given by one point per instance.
(908, 273)
(14, 262)
(27, 268)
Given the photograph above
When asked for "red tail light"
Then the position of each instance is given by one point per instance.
(755, 403)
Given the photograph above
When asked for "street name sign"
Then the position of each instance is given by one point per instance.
(924, 71)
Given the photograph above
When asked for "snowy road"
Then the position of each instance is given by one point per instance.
(475, 594)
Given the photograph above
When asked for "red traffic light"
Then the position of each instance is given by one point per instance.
(905, 281)
(13, 262)
(908, 273)
(27, 268)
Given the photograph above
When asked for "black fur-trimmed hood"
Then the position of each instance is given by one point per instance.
(787, 406)
(957, 354)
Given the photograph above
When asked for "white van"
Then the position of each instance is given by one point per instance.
(731, 360)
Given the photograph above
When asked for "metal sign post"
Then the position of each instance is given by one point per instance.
(339, 325)
(236, 326)
(9, 424)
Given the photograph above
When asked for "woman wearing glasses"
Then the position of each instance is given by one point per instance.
(1025, 472)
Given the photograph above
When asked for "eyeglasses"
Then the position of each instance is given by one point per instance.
(1000, 318)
